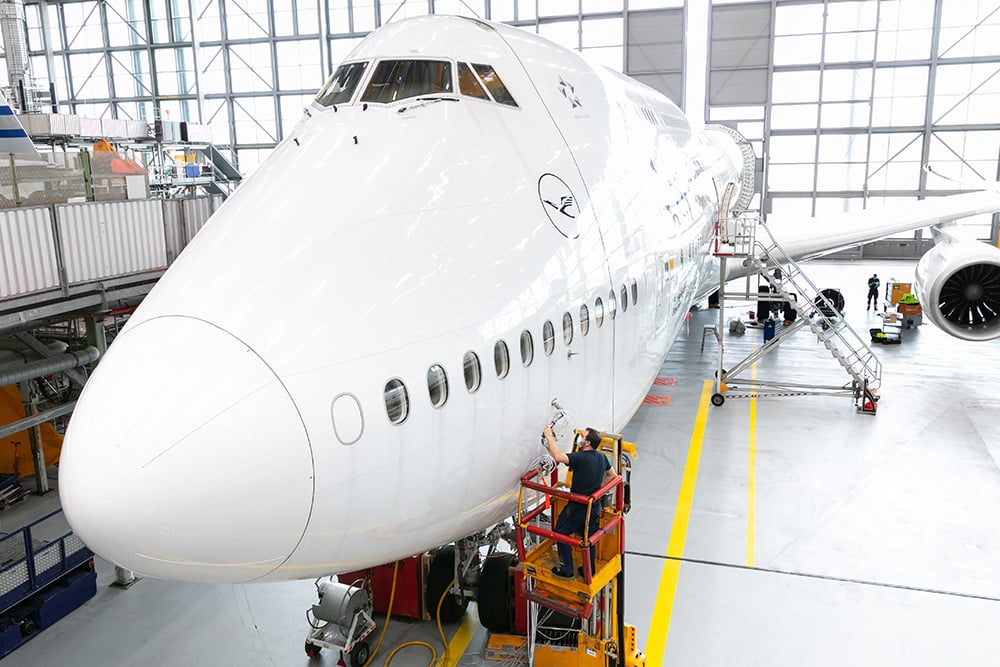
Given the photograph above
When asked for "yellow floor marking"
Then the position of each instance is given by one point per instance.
(460, 640)
(752, 476)
(663, 608)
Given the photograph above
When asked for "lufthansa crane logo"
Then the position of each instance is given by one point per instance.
(559, 204)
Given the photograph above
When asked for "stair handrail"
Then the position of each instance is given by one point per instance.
(835, 328)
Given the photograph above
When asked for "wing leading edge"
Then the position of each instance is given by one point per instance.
(814, 237)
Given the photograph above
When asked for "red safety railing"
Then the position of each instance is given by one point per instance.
(592, 502)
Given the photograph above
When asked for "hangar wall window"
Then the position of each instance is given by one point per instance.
(495, 85)
(468, 84)
(501, 359)
(400, 79)
(567, 328)
(340, 87)
(599, 311)
(473, 373)
(584, 320)
(397, 401)
(548, 337)
(437, 385)
(527, 348)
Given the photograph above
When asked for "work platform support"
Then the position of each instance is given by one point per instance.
(737, 239)
(596, 599)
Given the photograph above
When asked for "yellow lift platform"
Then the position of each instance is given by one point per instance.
(601, 638)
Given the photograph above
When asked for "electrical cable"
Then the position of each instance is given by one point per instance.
(388, 615)
(444, 641)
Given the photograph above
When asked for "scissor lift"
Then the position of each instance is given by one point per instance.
(596, 601)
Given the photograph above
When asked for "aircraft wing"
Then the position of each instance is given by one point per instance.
(805, 238)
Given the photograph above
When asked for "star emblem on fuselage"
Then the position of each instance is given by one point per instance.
(569, 92)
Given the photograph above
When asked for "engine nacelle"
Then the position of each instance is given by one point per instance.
(958, 284)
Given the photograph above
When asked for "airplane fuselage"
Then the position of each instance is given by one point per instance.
(448, 262)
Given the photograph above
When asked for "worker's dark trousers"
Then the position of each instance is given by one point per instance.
(873, 298)
(570, 521)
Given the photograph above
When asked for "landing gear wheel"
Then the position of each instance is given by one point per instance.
(439, 576)
(312, 650)
(496, 593)
(359, 654)
(718, 399)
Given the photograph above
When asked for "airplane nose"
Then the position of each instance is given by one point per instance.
(186, 458)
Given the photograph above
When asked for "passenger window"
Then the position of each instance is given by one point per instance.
(567, 328)
(494, 85)
(501, 359)
(468, 84)
(624, 298)
(340, 87)
(599, 311)
(473, 374)
(399, 79)
(397, 402)
(527, 348)
(548, 337)
(612, 305)
(584, 320)
(635, 292)
(437, 385)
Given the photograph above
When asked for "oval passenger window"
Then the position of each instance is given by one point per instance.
(501, 359)
(397, 401)
(437, 385)
(527, 348)
(473, 374)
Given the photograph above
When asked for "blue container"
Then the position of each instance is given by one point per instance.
(192, 171)
(768, 330)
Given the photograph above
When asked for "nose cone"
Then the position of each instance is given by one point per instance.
(186, 458)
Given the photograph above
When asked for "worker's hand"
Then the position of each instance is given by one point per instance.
(548, 432)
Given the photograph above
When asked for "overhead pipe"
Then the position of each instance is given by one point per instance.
(58, 364)
(12, 28)
(16, 358)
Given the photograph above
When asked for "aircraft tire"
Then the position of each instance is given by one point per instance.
(439, 575)
(496, 593)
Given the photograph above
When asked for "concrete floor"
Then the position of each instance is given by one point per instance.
(814, 535)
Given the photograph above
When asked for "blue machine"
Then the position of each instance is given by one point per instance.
(41, 581)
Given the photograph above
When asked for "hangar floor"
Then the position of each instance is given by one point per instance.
(778, 531)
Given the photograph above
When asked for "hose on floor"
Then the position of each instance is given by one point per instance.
(388, 615)
(444, 641)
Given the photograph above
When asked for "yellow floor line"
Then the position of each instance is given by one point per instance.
(460, 640)
(752, 476)
(660, 625)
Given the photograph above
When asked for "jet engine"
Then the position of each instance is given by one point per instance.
(958, 284)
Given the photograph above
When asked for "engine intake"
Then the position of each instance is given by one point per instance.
(958, 284)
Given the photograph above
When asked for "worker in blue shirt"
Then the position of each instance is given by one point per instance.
(873, 284)
(591, 471)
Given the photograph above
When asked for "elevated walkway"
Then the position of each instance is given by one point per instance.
(738, 239)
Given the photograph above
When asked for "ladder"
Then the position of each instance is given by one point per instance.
(738, 239)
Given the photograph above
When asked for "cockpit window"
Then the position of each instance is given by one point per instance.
(468, 84)
(495, 85)
(340, 87)
(399, 79)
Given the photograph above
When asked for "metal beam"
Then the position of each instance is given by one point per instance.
(35, 420)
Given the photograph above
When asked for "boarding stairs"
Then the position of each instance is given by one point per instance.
(749, 240)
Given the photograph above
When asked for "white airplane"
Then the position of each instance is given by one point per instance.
(353, 361)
